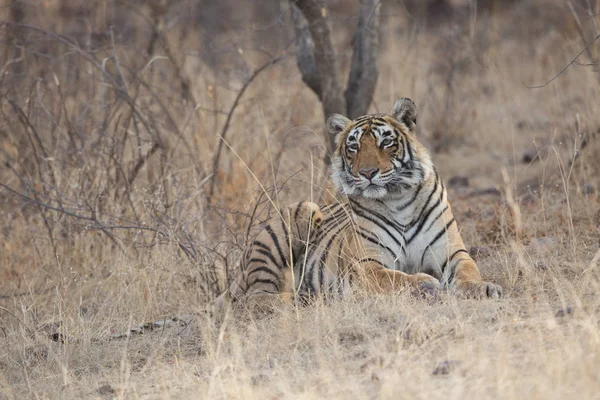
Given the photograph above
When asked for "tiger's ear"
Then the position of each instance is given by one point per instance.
(336, 123)
(405, 111)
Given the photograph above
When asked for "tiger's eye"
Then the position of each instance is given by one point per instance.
(353, 146)
(386, 142)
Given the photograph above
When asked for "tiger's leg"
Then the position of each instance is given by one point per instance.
(448, 256)
(377, 278)
(269, 259)
(467, 279)
(263, 300)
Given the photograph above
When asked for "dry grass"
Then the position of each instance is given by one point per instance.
(79, 144)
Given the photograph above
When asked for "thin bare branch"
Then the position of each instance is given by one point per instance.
(29, 329)
(573, 61)
(95, 224)
(217, 157)
(138, 166)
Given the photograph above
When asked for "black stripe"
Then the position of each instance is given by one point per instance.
(382, 226)
(451, 257)
(435, 186)
(400, 228)
(266, 281)
(436, 238)
(410, 153)
(451, 277)
(266, 270)
(321, 274)
(376, 242)
(309, 278)
(323, 259)
(371, 260)
(276, 243)
(257, 260)
(331, 205)
(261, 244)
(332, 232)
(297, 212)
(405, 205)
(287, 242)
(425, 217)
(436, 218)
(269, 255)
(363, 118)
(332, 219)
(339, 256)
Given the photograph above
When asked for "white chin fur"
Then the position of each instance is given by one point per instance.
(374, 192)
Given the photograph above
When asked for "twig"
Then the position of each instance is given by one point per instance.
(97, 224)
(46, 206)
(117, 62)
(580, 28)
(101, 68)
(23, 294)
(141, 163)
(573, 61)
(228, 121)
(31, 331)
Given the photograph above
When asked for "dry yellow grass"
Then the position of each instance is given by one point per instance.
(539, 232)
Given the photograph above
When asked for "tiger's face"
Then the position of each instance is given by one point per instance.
(377, 154)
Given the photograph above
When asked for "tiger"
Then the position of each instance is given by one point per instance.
(393, 230)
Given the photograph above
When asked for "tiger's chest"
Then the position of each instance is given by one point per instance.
(399, 238)
(397, 246)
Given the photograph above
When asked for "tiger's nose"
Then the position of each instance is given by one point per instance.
(369, 173)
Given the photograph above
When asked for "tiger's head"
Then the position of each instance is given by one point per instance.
(378, 154)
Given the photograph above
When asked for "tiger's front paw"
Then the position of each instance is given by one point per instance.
(312, 212)
(307, 212)
(424, 283)
(479, 290)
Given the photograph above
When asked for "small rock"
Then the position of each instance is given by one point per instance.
(479, 251)
(528, 200)
(445, 367)
(488, 90)
(374, 362)
(351, 338)
(541, 265)
(588, 189)
(521, 124)
(530, 156)
(458, 181)
(567, 310)
(58, 337)
(533, 155)
(259, 379)
(105, 390)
